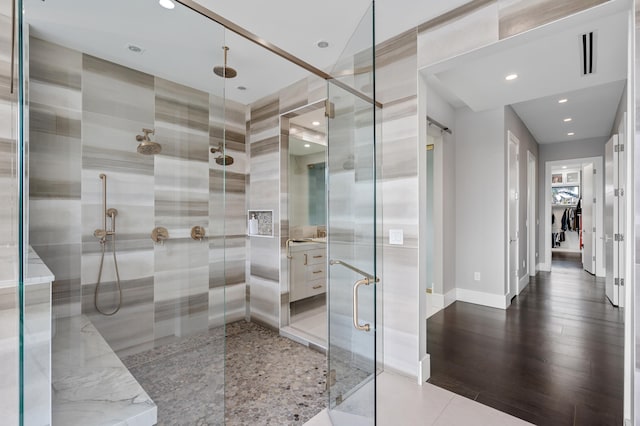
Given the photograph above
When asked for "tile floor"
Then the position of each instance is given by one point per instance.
(401, 401)
(314, 323)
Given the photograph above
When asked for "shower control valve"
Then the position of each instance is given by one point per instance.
(159, 234)
(100, 233)
(198, 233)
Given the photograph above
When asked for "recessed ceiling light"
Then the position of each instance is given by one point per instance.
(307, 145)
(511, 77)
(241, 88)
(570, 134)
(316, 123)
(135, 49)
(322, 44)
(564, 167)
(566, 120)
(562, 101)
(167, 4)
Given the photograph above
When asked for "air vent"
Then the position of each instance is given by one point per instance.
(588, 53)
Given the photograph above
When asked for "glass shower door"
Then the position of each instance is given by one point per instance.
(352, 231)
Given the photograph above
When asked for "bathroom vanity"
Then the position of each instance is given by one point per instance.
(308, 269)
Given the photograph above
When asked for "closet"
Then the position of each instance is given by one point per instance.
(566, 211)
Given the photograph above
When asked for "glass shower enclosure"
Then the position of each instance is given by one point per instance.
(133, 216)
(124, 206)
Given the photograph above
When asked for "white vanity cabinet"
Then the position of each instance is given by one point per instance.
(308, 270)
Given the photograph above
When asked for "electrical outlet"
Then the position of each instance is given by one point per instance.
(536, 255)
(523, 263)
(476, 276)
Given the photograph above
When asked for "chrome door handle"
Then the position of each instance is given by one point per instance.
(356, 323)
(512, 241)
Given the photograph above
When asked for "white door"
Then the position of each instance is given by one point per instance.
(513, 216)
(588, 214)
(531, 215)
(621, 175)
(611, 221)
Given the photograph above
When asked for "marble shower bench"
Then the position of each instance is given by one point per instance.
(90, 385)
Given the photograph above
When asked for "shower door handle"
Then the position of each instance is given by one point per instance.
(356, 323)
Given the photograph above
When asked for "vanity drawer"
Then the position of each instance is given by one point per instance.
(317, 256)
(316, 287)
(316, 272)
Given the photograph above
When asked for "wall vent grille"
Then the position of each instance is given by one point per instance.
(588, 53)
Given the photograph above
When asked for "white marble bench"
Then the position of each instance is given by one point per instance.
(90, 385)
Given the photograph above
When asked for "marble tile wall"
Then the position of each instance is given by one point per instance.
(86, 113)
(227, 213)
(181, 202)
(55, 172)
(517, 16)
(264, 194)
(396, 82)
(117, 102)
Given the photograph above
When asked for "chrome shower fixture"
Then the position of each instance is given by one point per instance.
(147, 146)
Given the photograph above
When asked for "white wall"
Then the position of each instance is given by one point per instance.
(514, 124)
(480, 206)
(444, 183)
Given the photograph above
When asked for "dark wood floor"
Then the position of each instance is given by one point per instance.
(555, 357)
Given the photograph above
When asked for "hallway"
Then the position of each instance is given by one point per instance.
(554, 357)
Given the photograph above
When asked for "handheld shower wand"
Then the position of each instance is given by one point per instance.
(102, 235)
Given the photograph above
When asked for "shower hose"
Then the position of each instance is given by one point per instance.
(103, 243)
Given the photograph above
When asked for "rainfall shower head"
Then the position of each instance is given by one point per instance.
(225, 71)
(222, 160)
(147, 146)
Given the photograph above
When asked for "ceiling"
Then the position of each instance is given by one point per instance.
(547, 61)
(302, 147)
(305, 136)
(182, 46)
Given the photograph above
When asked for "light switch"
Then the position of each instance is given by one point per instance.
(396, 237)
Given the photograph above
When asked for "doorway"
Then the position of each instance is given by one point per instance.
(545, 111)
(574, 212)
(304, 275)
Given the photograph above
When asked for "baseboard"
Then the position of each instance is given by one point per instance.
(545, 267)
(481, 298)
(450, 297)
(437, 300)
(425, 369)
(523, 283)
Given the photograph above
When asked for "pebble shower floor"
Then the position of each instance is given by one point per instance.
(270, 380)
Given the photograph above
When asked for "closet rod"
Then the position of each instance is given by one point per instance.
(442, 127)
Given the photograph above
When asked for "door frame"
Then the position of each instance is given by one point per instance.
(598, 163)
(513, 287)
(532, 221)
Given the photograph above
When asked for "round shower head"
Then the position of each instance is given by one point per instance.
(225, 72)
(224, 160)
(149, 148)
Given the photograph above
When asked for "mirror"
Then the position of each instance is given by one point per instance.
(307, 175)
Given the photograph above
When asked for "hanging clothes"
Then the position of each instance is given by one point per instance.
(564, 220)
